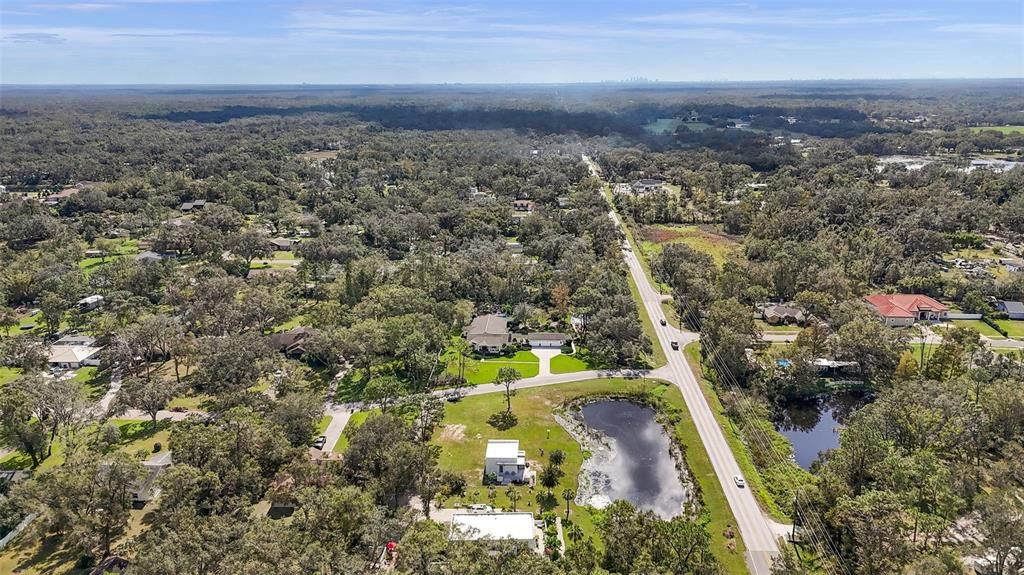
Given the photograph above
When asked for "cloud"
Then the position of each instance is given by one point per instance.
(35, 38)
(791, 18)
(74, 6)
(1010, 30)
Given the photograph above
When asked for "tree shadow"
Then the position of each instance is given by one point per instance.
(547, 501)
(503, 420)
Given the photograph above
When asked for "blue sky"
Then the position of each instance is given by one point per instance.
(427, 41)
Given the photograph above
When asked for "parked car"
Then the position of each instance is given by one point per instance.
(454, 395)
(320, 442)
(481, 508)
(675, 345)
(663, 322)
(739, 481)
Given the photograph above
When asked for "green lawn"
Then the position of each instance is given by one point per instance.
(126, 248)
(464, 434)
(191, 401)
(657, 358)
(8, 374)
(136, 435)
(733, 436)
(978, 326)
(286, 255)
(567, 364)
(321, 425)
(1015, 328)
(484, 370)
(1005, 129)
(94, 383)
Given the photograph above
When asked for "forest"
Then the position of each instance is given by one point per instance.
(256, 306)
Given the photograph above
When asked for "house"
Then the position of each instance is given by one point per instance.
(545, 339)
(505, 461)
(74, 351)
(563, 202)
(783, 315)
(1012, 309)
(647, 186)
(94, 253)
(283, 244)
(291, 342)
(523, 205)
(488, 333)
(147, 489)
(90, 303)
(148, 256)
(514, 247)
(494, 526)
(831, 367)
(193, 205)
(901, 310)
(64, 194)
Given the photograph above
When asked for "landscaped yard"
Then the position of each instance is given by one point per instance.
(464, 434)
(136, 435)
(978, 326)
(485, 369)
(654, 238)
(769, 328)
(1014, 328)
(567, 364)
(354, 422)
(1005, 129)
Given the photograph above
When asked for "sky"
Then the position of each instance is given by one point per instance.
(503, 41)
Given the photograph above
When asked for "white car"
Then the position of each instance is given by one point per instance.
(481, 508)
(739, 481)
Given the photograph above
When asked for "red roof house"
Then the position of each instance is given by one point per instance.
(906, 309)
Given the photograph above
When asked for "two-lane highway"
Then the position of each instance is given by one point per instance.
(756, 530)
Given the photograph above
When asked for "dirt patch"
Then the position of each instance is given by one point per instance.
(453, 433)
(657, 235)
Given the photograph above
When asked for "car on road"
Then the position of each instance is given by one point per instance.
(320, 442)
(675, 345)
(454, 396)
(481, 508)
(663, 322)
(739, 481)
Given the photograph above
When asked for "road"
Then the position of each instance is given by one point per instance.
(756, 529)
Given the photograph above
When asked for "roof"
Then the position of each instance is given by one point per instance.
(72, 353)
(282, 242)
(148, 255)
(502, 449)
(475, 526)
(76, 339)
(783, 311)
(903, 305)
(489, 324)
(291, 337)
(90, 300)
(1012, 306)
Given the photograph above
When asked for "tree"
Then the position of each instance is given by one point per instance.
(550, 475)
(1001, 523)
(875, 347)
(507, 377)
(19, 426)
(52, 306)
(513, 496)
(384, 390)
(568, 495)
(250, 244)
(556, 457)
(459, 350)
(232, 363)
(147, 395)
(8, 319)
(874, 528)
(298, 414)
(422, 549)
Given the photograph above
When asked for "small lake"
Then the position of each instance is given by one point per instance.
(637, 465)
(813, 427)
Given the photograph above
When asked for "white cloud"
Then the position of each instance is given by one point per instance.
(1009, 30)
(793, 18)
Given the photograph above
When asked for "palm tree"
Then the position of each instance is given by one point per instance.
(513, 496)
(459, 350)
(568, 494)
(575, 534)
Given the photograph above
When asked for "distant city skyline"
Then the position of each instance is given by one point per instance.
(488, 41)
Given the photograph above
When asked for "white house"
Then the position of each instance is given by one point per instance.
(545, 339)
(516, 527)
(505, 460)
(90, 303)
(74, 351)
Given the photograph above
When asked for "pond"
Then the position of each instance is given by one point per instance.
(813, 427)
(631, 459)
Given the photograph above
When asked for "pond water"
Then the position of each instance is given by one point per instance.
(813, 427)
(637, 465)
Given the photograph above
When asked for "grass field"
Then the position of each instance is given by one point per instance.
(321, 425)
(567, 364)
(484, 370)
(654, 238)
(657, 358)
(1014, 328)
(768, 328)
(126, 248)
(465, 432)
(136, 435)
(978, 326)
(1005, 129)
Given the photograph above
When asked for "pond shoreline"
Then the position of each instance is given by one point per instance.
(594, 482)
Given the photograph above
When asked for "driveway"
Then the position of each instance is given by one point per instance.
(545, 354)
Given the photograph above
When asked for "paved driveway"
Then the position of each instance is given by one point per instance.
(545, 354)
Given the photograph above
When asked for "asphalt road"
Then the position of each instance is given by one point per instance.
(755, 528)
